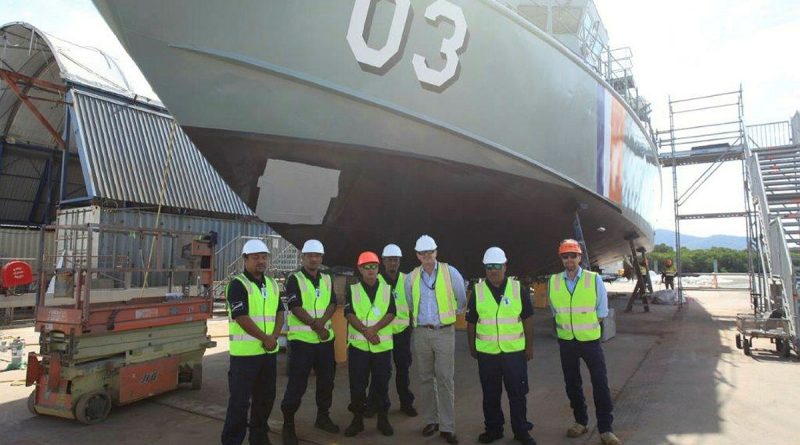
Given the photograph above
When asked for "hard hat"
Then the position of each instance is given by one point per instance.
(494, 255)
(313, 246)
(425, 243)
(367, 257)
(391, 250)
(569, 246)
(254, 246)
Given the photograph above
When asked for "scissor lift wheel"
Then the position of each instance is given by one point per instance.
(32, 403)
(93, 407)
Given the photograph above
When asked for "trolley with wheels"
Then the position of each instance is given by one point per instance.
(777, 330)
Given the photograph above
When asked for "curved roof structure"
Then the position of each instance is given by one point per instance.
(54, 92)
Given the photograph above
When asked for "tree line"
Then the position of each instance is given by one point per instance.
(702, 260)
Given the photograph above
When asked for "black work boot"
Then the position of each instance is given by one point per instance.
(383, 424)
(325, 423)
(356, 426)
(288, 434)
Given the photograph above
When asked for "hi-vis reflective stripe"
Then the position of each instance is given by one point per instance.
(450, 313)
(578, 309)
(399, 321)
(579, 327)
(496, 321)
(506, 337)
(265, 319)
(306, 328)
(243, 337)
(360, 337)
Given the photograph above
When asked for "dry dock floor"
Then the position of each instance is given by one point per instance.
(676, 377)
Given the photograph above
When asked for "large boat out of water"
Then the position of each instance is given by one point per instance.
(364, 122)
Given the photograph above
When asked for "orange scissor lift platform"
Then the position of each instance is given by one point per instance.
(94, 356)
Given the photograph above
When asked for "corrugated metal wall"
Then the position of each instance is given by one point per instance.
(137, 249)
(21, 244)
(125, 150)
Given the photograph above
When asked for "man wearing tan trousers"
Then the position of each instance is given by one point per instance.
(435, 293)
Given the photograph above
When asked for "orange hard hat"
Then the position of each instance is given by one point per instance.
(569, 246)
(368, 257)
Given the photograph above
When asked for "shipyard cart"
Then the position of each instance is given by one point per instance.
(777, 330)
(121, 316)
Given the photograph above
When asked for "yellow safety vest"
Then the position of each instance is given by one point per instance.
(499, 327)
(400, 322)
(576, 313)
(445, 296)
(262, 309)
(315, 302)
(370, 313)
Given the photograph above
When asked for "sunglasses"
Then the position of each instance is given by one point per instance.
(370, 266)
(426, 252)
(493, 266)
(571, 256)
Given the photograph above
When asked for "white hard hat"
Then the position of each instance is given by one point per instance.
(313, 246)
(254, 246)
(391, 250)
(494, 255)
(424, 243)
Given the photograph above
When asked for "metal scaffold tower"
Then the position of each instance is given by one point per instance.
(710, 130)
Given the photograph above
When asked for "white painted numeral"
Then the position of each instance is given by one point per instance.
(355, 33)
(450, 46)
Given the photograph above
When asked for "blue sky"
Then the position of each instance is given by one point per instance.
(681, 48)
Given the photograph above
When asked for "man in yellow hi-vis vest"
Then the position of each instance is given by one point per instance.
(435, 295)
(255, 318)
(401, 326)
(369, 310)
(579, 303)
(311, 301)
(500, 337)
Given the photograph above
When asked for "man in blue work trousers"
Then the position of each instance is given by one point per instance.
(500, 337)
(579, 303)
(255, 318)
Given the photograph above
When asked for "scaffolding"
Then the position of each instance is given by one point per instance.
(710, 130)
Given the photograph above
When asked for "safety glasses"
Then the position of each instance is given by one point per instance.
(493, 266)
(370, 266)
(571, 256)
(426, 252)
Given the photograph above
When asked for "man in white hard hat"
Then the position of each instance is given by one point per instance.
(500, 336)
(435, 293)
(311, 301)
(401, 353)
(255, 319)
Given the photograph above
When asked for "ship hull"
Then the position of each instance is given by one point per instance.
(322, 145)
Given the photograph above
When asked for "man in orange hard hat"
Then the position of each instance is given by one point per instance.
(579, 302)
(369, 310)
(668, 275)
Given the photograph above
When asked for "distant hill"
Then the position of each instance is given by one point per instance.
(696, 242)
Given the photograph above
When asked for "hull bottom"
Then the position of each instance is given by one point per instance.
(381, 197)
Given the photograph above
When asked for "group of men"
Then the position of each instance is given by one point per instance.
(387, 311)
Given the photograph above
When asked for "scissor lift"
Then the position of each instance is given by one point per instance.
(96, 355)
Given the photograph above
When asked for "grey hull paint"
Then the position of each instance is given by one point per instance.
(520, 107)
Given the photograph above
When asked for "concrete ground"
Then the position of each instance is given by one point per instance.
(676, 376)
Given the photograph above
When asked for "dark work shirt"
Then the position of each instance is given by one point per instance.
(497, 292)
(291, 290)
(371, 291)
(238, 296)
